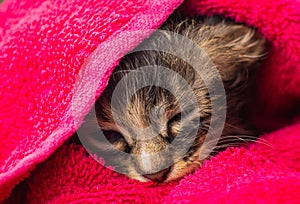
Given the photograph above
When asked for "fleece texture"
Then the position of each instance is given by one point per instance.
(256, 174)
(44, 44)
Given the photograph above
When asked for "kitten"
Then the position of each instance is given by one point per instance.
(233, 48)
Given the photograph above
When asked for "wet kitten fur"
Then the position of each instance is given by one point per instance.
(234, 48)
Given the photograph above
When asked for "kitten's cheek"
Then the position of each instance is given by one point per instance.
(139, 178)
(134, 175)
(181, 169)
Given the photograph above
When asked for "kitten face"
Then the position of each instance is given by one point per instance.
(233, 49)
(156, 107)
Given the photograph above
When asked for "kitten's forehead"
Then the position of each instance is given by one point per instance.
(152, 101)
(148, 106)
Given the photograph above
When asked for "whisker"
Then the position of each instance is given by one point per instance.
(250, 138)
(236, 140)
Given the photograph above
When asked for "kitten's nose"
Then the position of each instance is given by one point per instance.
(158, 176)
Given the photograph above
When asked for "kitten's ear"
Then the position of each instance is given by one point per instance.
(235, 48)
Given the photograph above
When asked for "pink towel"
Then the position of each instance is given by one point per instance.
(43, 45)
(259, 174)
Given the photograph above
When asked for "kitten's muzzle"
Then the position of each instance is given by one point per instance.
(158, 176)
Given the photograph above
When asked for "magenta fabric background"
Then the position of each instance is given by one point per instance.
(43, 45)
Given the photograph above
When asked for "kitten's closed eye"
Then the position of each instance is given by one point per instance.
(117, 140)
(174, 127)
(113, 136)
